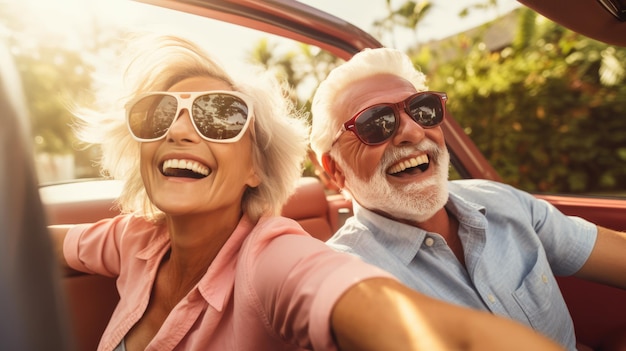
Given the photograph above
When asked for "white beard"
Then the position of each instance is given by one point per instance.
(417, 201)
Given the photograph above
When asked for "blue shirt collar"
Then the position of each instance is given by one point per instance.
(404, 240)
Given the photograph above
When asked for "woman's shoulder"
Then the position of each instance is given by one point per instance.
(278, 225)
(122, 226)
(280, 233)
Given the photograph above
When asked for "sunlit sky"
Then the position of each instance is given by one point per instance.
(71, 18)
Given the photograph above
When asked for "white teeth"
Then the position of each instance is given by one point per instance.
(412, 162)
(186, 164)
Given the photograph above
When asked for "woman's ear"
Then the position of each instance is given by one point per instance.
(333, 170)
(253, 180)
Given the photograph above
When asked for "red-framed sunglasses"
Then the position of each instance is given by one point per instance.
(376, 124)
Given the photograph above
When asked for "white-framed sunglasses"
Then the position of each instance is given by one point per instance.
(219, 116)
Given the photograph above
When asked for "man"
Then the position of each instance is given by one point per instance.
(376, 131)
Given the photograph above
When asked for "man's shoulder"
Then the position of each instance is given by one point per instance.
(352, 235)
(479, 186)
(486, 192)
(475, 184)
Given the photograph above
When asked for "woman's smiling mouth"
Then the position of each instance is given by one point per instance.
(184, 168)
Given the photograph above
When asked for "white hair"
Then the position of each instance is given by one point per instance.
(156, 64)
(367, 63)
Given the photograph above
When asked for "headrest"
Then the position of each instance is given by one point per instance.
(308, 201)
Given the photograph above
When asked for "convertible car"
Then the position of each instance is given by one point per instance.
(598, 311)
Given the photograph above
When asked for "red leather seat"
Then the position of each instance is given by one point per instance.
(308, 205)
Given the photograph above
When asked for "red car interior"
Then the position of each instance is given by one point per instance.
(598, 311)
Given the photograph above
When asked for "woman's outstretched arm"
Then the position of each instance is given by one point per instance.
(57, 233)
(383, 314)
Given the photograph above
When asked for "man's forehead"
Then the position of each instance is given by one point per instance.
(371, 90)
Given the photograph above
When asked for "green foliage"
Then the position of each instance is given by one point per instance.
(548, 111)
(50, 76)
(57, 68)
(302, 68)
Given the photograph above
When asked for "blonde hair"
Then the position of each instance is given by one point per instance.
(367, 63)
(157, 63)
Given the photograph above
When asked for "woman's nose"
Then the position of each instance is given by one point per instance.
(183, 129)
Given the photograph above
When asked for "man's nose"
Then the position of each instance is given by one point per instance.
(408, 130)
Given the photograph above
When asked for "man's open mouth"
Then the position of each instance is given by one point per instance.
(410, 166)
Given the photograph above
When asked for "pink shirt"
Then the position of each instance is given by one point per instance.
(271, 287)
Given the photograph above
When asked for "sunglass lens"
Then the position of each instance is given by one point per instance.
(426, 110)
(375, 124)
(219, 116)
(150, 117)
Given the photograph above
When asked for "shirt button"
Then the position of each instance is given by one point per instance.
(429, 242)
(491, 298)
(544, 278)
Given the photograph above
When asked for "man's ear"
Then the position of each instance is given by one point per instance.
(333, 170)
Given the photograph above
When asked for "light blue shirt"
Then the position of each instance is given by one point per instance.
(514, 245)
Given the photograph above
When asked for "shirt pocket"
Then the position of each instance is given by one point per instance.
(541, 301)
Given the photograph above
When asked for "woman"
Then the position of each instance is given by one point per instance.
(202, 259)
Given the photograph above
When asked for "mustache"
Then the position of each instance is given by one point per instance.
(393, 155)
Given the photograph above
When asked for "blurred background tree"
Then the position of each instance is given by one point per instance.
(56, 71)
(548, 109)
(48, 71)
(529, 100)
